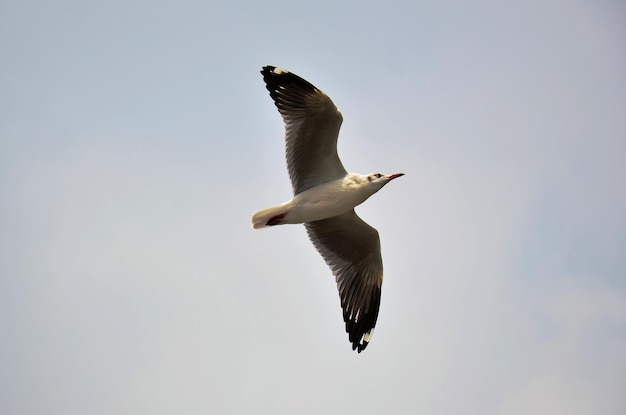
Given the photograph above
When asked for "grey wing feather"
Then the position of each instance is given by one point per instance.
(312, 125)
(351, 248)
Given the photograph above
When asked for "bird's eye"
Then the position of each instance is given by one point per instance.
(378, 175)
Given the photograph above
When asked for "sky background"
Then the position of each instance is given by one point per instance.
(137, 138)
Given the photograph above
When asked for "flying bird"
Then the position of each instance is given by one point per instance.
(325, 195)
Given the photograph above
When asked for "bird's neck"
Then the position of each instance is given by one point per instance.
(358, 184)
(355, 180)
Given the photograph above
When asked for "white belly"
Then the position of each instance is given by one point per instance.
(325, 201)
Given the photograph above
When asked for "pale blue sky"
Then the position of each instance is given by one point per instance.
(136, 139)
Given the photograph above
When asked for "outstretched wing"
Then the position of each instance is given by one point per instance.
(351, 248)
(312, 125)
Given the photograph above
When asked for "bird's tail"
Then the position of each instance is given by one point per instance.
(268, 217)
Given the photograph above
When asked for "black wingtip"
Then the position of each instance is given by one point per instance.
(267, 70)
(357, 330)
(359, 347)
(275, 77)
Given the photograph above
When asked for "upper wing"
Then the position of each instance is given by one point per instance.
(351, 248)
(312, 125)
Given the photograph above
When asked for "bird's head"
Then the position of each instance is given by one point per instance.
(379, 179)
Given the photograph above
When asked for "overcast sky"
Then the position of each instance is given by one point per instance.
(137, 138)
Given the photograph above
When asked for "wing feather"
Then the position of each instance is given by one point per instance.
(351, 248)
(312, 124)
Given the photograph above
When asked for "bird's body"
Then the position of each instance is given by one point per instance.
(320, 202)
(325, 196)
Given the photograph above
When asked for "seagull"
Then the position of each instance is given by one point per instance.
(325, 196)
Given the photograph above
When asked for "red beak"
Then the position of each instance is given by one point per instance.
(395, 175)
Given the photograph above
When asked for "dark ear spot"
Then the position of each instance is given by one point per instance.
(369, 179)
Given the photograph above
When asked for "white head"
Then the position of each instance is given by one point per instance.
(378, 180)
(362, 186)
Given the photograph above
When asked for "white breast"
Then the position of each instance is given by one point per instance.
(328, 200)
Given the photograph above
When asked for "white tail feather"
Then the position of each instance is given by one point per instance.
(261, 217)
